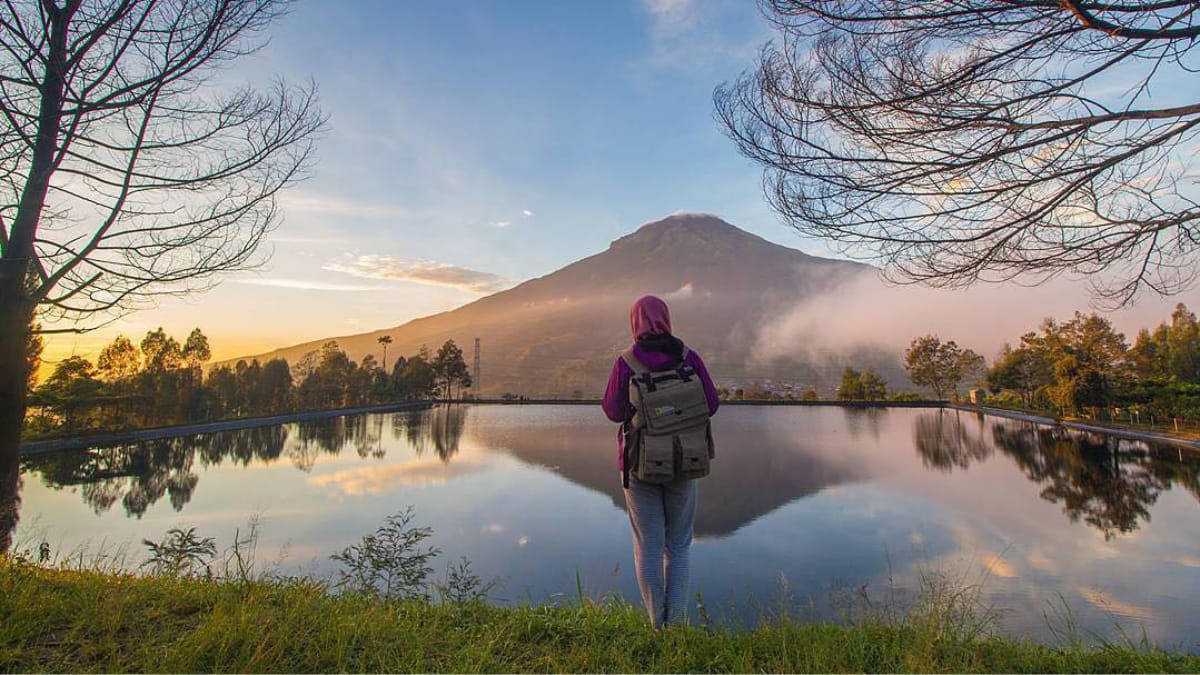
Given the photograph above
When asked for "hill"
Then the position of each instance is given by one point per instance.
(557, 335)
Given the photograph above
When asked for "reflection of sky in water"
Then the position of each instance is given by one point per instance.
(817, 501)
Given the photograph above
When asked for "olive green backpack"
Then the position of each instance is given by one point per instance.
(670, 435)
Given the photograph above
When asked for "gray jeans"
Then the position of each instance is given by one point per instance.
(662, 517)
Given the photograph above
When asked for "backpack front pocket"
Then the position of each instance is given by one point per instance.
(656, 459)
(695, 450)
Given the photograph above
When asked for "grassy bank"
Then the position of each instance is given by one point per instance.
(62, 620)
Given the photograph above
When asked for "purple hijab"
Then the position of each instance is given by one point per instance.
(649, 316)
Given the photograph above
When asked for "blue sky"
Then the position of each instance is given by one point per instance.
(503, 138)
(475, 145)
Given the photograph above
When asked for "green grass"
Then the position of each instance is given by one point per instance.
(54, 619)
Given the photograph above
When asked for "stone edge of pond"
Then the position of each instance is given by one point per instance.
(1119, 432)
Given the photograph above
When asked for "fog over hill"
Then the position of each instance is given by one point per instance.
(558, 334)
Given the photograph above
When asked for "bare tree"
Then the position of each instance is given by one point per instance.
(126, 172)
(961, 140)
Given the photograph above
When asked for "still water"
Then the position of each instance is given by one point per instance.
(817, 509)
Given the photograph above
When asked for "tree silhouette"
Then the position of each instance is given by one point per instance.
(384, 340)
(123, 176)
(939, 365)
(450, 368)
(956, 141)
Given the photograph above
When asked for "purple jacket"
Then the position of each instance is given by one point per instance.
(616, 397)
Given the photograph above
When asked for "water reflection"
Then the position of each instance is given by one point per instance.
(755, 472)
(140, 474)
(442, 428)
(1107, 482)
(945, 442)
(10, 498)
(862, 422)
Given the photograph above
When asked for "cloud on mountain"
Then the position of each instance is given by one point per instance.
(422, 272)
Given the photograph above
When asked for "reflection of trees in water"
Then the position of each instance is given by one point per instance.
(244, 446)
(330, 436)
(138, 474)
(1107, 482)
(327, 436)
(10, 498)
(1175, 468)
(945, 442)
(442, 427)
(863, 420)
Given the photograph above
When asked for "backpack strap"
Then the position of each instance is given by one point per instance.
(634, 362)
(638, 367)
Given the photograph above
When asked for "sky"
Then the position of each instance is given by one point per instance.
(475, 145)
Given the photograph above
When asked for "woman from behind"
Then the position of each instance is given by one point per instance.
(661, 514)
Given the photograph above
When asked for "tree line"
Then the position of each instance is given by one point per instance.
(1085, 366)
(160, 381)
(1079, 366)
(1082, 366)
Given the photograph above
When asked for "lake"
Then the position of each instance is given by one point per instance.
(816, 509)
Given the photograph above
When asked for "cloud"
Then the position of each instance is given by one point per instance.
(502, 223)
(329, 205)
(684, 291)
(306, 285)
(695, 36)
(422, 272)
(527, 213)
(374, 480)
(867, 312)
(672, 16)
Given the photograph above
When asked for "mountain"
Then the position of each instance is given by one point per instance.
(557, 335)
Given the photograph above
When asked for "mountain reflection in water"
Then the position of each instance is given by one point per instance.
(1108, 483)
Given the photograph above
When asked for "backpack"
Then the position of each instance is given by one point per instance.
(670, 435)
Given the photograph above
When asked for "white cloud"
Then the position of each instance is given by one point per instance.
(422, 272)
(684, 291)
(502, 223)
(672, 15)
(527, 213)
(306, 285)
(868, 312)
(697, 36)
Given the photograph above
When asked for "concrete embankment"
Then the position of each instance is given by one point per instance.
(1119, 432)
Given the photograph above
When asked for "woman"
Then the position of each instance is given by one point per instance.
(661, 514)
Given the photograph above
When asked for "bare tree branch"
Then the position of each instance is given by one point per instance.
(981, 139)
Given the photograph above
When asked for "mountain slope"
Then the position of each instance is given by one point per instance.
(558, 334)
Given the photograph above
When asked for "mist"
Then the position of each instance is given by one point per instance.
(870, 314)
